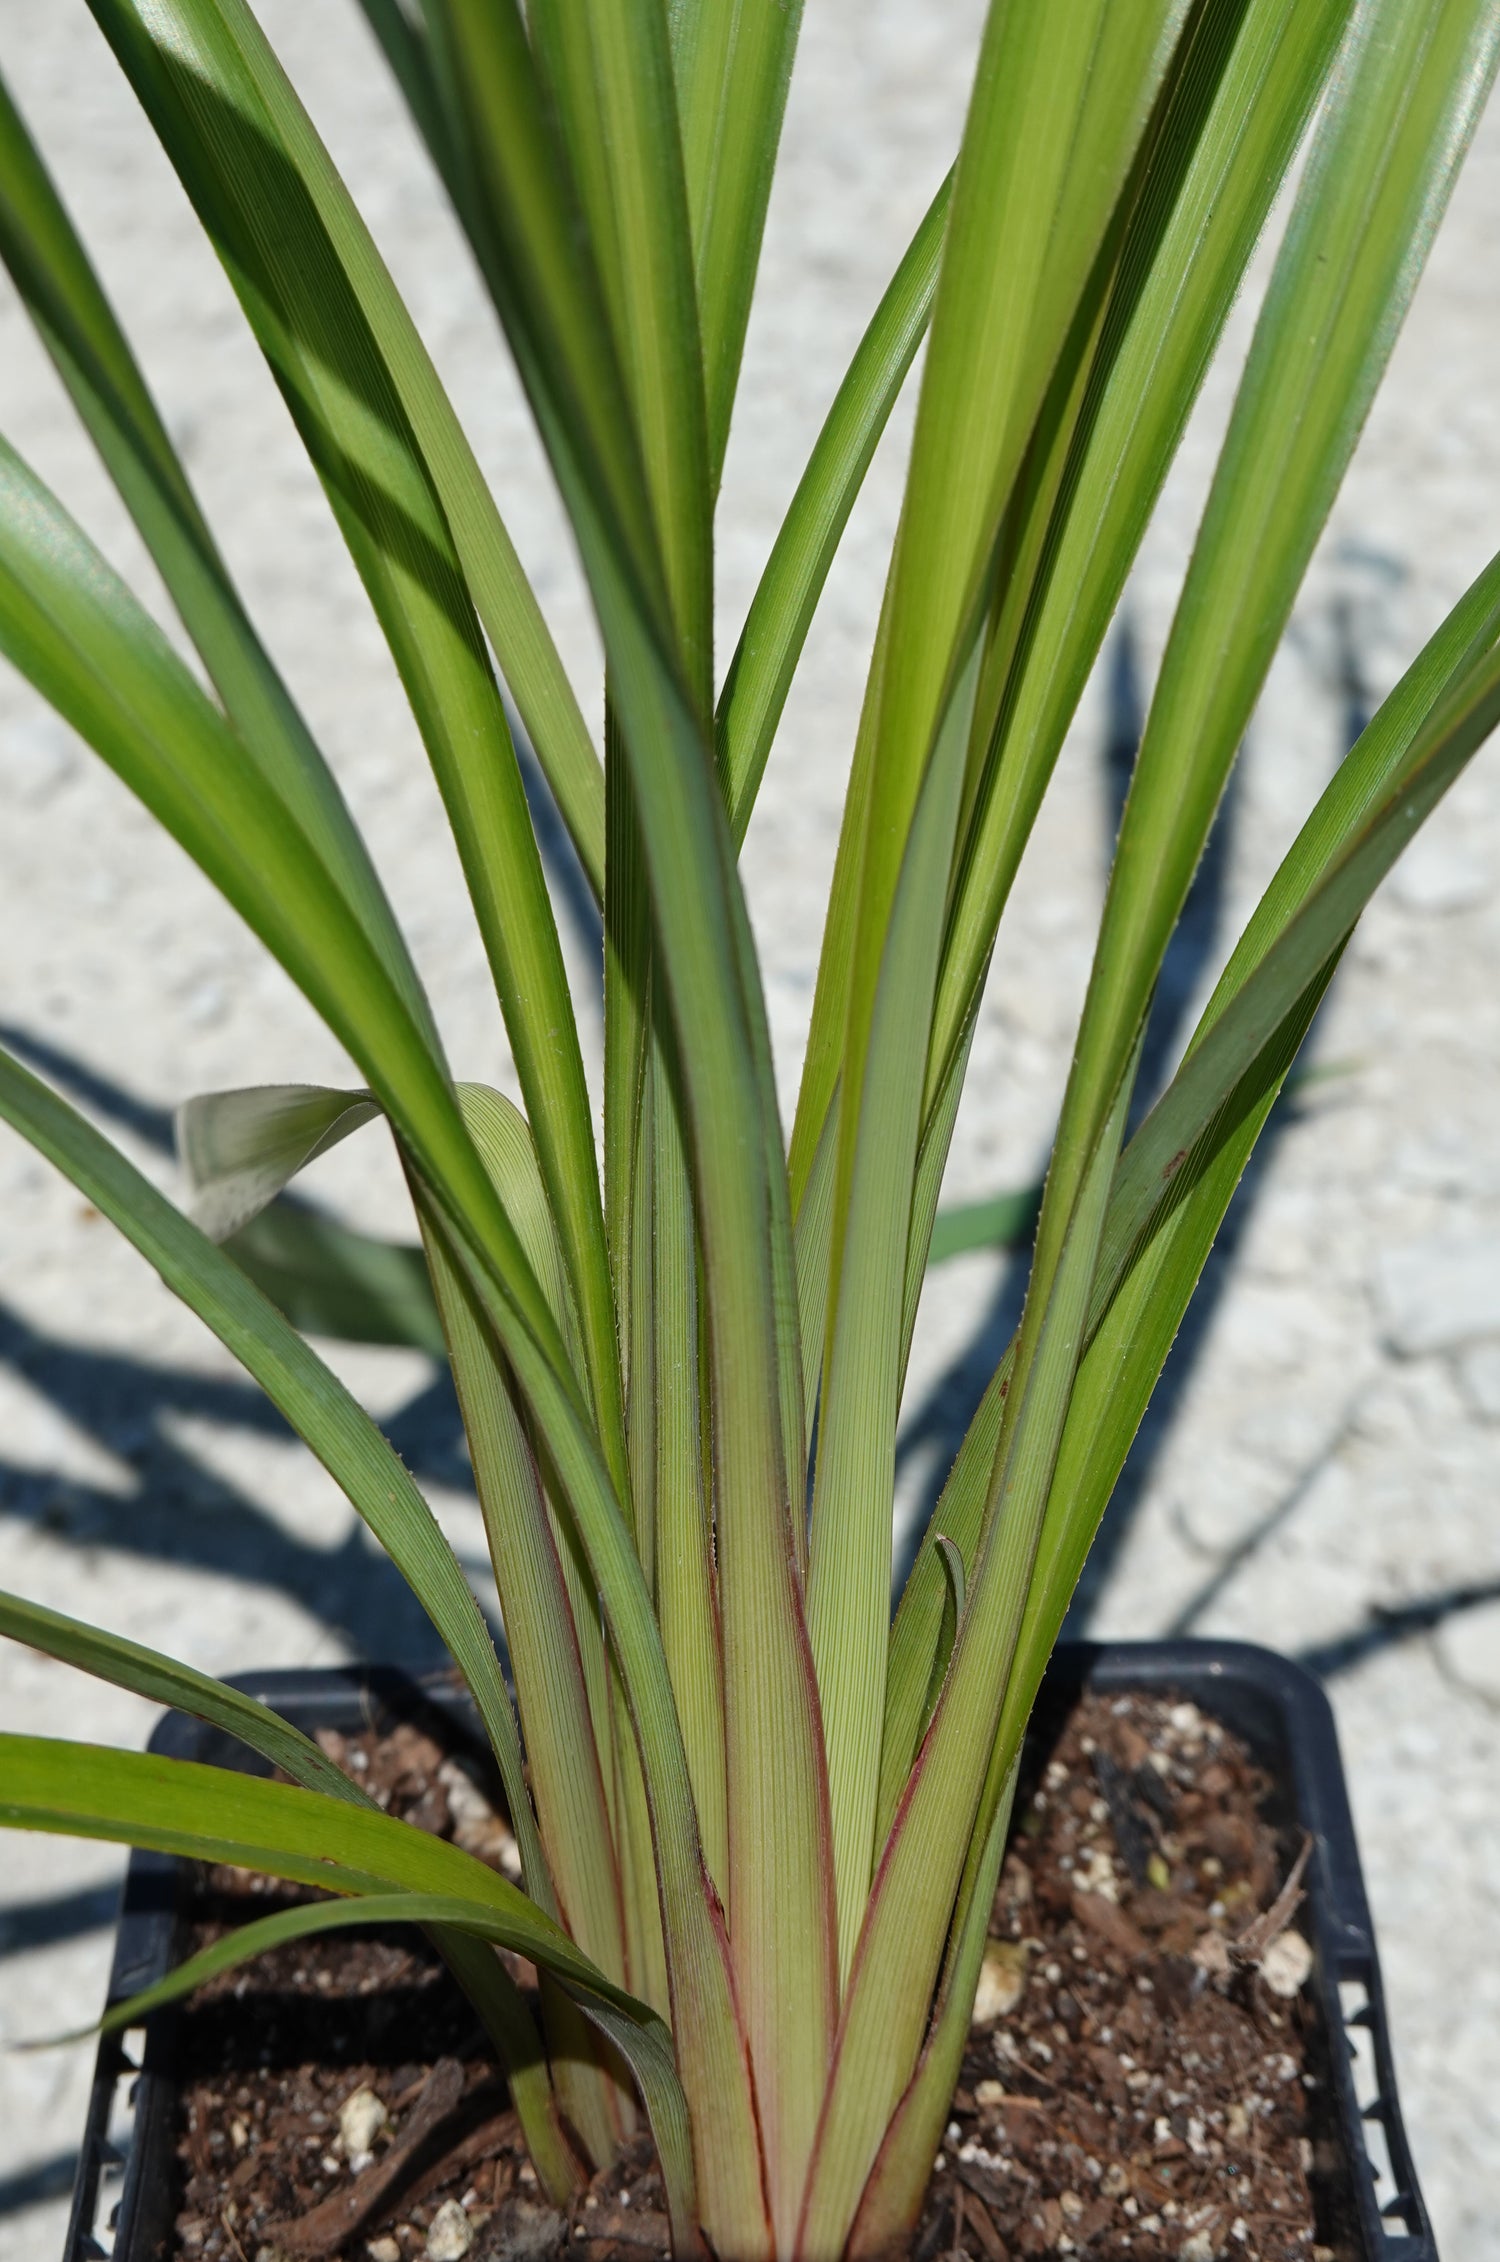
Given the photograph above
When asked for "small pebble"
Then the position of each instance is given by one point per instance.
(988, 2094)
(451, 2234)
(383, 2250)
(1211, 1955)
(361, 2118)
(1286, 1963)
(1002, 1981)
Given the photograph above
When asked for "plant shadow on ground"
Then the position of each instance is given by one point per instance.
(179, 1512)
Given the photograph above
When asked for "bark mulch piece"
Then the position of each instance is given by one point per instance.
(1145, 2080)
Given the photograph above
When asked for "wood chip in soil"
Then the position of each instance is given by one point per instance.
(1146, 2079)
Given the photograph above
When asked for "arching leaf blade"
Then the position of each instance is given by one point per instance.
(563, 1756)
(1231, 126)
(316, 1404)
(787, 594)
(987, 378)
(1178, 1173)
(642, 2039)
(74, 629)
(1024, 231)
(180, 1806)
(609, 72)
(233, 127)
(239, 1149)
(163, 1680)
(1385, 160)
(733, 62)
(849, 1576)
(52, 272)
(908, 1918)
(1385, 157)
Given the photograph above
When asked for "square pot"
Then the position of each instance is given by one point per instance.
(123, 2198)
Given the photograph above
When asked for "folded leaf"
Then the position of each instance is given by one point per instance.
(239, 1149)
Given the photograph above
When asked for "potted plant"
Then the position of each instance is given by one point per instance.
(759, 1827)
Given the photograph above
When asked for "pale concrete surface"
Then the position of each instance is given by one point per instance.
(1322, 1472)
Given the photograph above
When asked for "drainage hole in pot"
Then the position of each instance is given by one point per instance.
(1354, 2002)
(119, 2139)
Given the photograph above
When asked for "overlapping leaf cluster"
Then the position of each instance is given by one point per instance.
(759, 1825)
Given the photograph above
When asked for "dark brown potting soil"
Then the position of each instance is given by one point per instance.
(1145, 2078)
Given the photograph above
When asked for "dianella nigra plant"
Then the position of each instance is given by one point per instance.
(759, 1823)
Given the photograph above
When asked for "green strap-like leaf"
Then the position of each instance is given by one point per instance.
(1232, 121)
(74, 629)
(892, 2200)
(687, 1600)
(1181, 1168)
(911, 1902)
(1403, 106)
(316, 1404)
(503, 1140)
(701, 932)
(51, 271)
(999, 329)
(179, 1806)
(562, 1755)
(849, 1575)
(1025, 228)
(640, 2037)
(162, 1679)
(774, 1760)
(1384, 161)
(786, 596)
(240, 1147)
(223, 41)
(609, 72)
(733, 60)
(231, 124)
(529, 236)
(403, 42)
(1001, 1221)
(1176, 1177)
(918, 1635)
(79, 635)
(129, 1665)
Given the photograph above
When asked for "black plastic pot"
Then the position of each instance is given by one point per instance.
(122, 2202)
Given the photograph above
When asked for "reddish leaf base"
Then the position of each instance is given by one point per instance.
(1145, 2097)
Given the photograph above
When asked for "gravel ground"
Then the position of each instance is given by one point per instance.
(1320, 1471)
